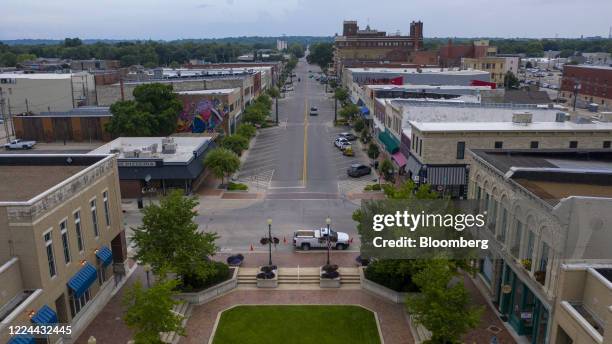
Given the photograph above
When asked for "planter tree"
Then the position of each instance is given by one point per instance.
(222, 162)
(168, 240)
(149, 312)
(373, 151)
(236, 143)
(443, 306)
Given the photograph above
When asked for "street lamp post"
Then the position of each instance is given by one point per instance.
(328, 222)
(276, 98)
(335, 109)
(270, 242)
(577, 88)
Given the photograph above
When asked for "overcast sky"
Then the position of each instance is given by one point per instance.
(175, 19)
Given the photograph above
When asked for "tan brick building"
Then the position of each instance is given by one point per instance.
(62, 243)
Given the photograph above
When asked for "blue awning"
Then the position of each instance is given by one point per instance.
(82, 280)
(105, 255)
(45, 316)
(22, 339)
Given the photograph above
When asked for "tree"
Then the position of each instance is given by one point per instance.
(443, 306)
(321, 54)
(222, 162)
(296, 50)
(409, 190)
(273, 92)
(174, 65)
(359, 125)
(236, 143)
(246, 130)
(169, 240)
(387, 169)
(255, 115)
(265, 100)
(72, 42)
(129, 120)
(25, 57)
(528, 65)
(349, 111)
(373, 151)
(8, 59)
(153, 112)
(341, 94)
(149, 312)
(511, 82)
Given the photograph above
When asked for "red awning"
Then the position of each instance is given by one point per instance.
(399, 159)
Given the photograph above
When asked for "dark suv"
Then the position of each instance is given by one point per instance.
(358, 170)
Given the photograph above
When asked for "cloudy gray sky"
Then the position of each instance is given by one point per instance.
(174, 19)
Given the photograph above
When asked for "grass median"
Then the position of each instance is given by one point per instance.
(297, 325)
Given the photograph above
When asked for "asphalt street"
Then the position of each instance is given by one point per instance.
(296, 168)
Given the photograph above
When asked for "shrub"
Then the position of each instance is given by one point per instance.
(359, 125)
(236, 143)
(192, 283)
(373, 187)
(237, 187)
(395, 274)
(373, 151)
(246, 130)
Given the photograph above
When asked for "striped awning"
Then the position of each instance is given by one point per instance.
(45, 316)
(105, 255)
(446, 175)
(82, 280)
(22, 339)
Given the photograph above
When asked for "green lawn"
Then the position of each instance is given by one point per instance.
(297, 325)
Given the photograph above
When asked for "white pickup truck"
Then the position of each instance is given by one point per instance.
(20, 144)
(307, 239)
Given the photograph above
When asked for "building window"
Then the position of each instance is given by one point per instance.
(94, 217)
(65, 242)
(499, 144)
(420, 147)
(516, 242)
(106, 208)
(504, 223)
(77, 303)
(573, 144)
(101, 275)
(460, 150)
(534, 144)
(606, 144)
(49, 249)
(77, 228)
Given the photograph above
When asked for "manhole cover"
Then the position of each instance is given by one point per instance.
(494, 329)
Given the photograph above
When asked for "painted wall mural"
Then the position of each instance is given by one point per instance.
(203, 115)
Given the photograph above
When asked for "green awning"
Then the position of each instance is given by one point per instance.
(391, 144)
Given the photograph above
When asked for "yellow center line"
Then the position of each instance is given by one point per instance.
(305, 164)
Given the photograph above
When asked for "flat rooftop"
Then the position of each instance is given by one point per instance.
(410, 87)
(449, 71)
(185, 148)
(555, 174)
(223, 91)
(509, 126)
(25, 176)
(36, 76)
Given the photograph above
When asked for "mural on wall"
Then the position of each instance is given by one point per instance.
(200, 116)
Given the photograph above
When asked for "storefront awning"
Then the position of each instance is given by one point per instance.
(82, 280)
(365, 112)
(45, 316)
(22, 339)
(399, 159)
(105, 255)
(391, 144)
(446, 175)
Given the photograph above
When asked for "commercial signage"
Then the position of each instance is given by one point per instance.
(138, 163)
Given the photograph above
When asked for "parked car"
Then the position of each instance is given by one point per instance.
(314, 111)
(307, 239)
(20, 144)
(348, 136)
(341, 142)
(358, 170)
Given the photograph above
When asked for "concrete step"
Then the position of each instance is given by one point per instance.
(184, 310)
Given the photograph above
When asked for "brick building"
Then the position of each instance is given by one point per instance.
(595, 84)
(451, 54)
(369, 45)
(80, 124)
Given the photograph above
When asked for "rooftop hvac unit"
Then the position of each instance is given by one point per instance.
(145, 154)
(561, 117)
(115, 150)
(129, 154)
(522, 118)
(605, 116)
(168, 145)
